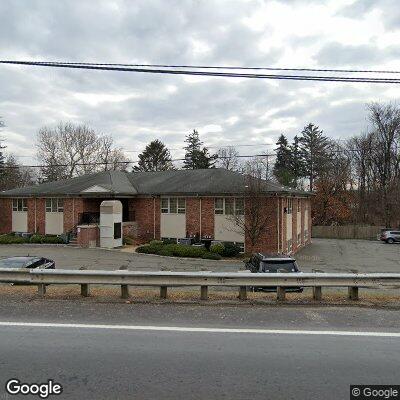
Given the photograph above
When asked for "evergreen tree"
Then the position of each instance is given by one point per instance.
(196, 156)
(283, 164)
(314, 151)
(155, 157)
(297, 165)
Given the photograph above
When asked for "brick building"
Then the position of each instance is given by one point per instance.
(165, 204)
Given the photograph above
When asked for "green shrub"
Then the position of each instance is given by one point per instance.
(36, 238)
(52, 240)
(211, 256)
(169, 241)
(12, 239)
(217, 248)
(177, 250)
(165, 252)
(230, 250)
(156, 243)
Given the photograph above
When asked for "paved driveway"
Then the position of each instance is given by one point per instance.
(329, 255)
(334, 255)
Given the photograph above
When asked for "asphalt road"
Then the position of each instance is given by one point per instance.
(118, 364)
(144, 359)
(328, 255)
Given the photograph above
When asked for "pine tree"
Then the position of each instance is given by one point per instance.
(283, 163)
(314, 151)
(196, 156)
(155, 157)
(297, 165)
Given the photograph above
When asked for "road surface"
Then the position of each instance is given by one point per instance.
(179, 352)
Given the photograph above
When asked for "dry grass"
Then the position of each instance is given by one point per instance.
(101, 294)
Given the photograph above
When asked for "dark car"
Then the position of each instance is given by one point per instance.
(27, 262)
(270, 264)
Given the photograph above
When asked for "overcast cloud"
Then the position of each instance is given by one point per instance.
(136, 108)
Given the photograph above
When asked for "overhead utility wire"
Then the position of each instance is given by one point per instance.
(214, 74)
(229, 67)
(119, 162)
(136, 161)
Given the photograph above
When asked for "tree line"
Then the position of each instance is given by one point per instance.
(356, 180)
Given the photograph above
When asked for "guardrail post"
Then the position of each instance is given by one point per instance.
(204, 292)
(85, 290)
(124, 292)
(41, 289)
(353, 293)
(124, 288)
(280, 293)
(317, 293)
(242, 293)
(163, 292)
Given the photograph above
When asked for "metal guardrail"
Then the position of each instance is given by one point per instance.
(165, 279)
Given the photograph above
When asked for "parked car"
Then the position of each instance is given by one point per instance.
(27, 262)
(390, 236)
(270, 264)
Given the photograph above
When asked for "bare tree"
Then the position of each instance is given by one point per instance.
(256, 220)
(14, 175)
(70, 150)
(228, 158)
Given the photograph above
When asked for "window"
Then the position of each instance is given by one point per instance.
(229, 206)
(289, 245)
(173, 205)
(181, 206)
(298, 205)
(219, 206)
(239, 206)
(289, 206)
(20, 205)
(298, 238)
(165, 205)
(305, 234)
(54, 205)
(117, 230)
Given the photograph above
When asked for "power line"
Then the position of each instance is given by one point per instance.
(212, 74)
(228, 67)
(119, 162)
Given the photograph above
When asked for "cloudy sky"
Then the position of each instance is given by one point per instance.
(136, 108)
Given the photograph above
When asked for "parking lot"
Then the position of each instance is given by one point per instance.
(329, 255)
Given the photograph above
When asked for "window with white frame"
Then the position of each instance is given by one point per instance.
(289, 245)
(305, 234)
(289, 206)
(229, 206)
(20, 205)
(173, 205)
(54, 205)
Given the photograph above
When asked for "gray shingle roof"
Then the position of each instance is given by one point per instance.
(179, 182)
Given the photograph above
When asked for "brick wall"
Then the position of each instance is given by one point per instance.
(268, 241)
(207, 216)
(193, 216)
(5, 215)
(147, 215)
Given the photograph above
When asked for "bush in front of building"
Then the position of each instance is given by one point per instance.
(177, 250)
(211, 256)
(230, 250)
(12, 239)
(217, 248)
(46, 239)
